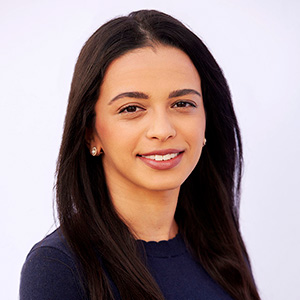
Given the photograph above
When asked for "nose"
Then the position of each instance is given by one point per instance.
(161, 127)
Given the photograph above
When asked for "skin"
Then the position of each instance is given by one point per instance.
(151, 119)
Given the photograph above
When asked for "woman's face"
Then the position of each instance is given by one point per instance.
(150, 119)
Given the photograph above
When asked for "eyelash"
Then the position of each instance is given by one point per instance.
(187, 104)
(125, 109)
(138, 108)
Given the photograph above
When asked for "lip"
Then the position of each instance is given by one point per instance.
(163, 164)
(162, 152)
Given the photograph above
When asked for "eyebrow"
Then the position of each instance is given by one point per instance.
(136, 95)
(183, 92)
(140, 95)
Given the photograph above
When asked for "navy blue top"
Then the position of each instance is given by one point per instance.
(50, 272)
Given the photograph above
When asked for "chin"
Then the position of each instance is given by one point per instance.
(164, 186)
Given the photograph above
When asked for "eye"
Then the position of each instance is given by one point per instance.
(130, 109)
(183, 104)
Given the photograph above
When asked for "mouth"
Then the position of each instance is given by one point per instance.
(162, 159)
(158, 157)
(162, 155)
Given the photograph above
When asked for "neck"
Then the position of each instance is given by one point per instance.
(148, 214)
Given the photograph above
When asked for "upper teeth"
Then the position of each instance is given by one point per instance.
(161, 157)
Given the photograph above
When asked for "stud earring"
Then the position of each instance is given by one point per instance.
(204, 142)
(94, 151)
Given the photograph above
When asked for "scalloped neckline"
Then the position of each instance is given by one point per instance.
(164, 248)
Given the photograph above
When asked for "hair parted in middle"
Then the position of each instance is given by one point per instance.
(207, 211)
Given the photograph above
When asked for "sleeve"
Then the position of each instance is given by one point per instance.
(48, 273)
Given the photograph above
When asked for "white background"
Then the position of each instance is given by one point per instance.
(257, 43)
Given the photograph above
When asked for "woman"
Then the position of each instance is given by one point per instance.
(142, 216)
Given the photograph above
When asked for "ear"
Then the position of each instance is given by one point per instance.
(89, 137)
(92, 139)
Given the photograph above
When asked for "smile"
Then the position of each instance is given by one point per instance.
(161, 157)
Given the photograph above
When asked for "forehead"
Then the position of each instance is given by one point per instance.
(151, 67)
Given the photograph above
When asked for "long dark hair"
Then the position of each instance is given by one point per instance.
(207, 211)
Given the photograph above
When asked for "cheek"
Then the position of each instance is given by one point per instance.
(195, 130)
(195, 133)
(115, 135)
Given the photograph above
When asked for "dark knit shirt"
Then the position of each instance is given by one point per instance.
(50, 272)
